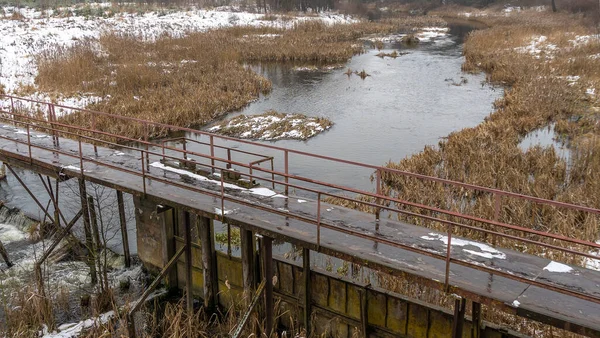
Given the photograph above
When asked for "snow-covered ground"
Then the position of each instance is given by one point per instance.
(21, 40)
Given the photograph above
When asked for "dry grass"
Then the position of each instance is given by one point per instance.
(489, 155)
(191, 80)
(273, 125)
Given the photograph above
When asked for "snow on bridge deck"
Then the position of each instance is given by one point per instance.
(254, 210)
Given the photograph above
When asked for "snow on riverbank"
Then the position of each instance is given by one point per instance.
(273, 126)
(21, 40)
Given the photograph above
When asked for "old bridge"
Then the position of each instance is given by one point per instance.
(181, 185)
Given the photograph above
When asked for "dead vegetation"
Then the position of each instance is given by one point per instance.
(188, 81)
(273, 125)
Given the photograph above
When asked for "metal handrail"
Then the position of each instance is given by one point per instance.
(146, 153)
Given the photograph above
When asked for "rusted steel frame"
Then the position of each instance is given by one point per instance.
(157, 280)
(546, 235)
(224, 147)
(175, 139)
(318, 220)
(254, 164)
(143, 171)
(430, 254)
(378, 200)
(533, 282)
(223, 216)
(212, 152)
(80, 157)
(238, 330)
(470, 227)
(333, 159)
(350, 232)
(450, 213)
(286, 175)
(493, 270)
(448, 251)
(30, 193)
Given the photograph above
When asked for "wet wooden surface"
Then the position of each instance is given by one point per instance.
(545, 305)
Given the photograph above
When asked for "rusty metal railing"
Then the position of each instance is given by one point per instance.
(52, 125)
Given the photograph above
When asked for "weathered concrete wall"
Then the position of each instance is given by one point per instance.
(336, 301)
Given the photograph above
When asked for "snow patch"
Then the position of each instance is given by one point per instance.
(516, 303)
(75, 329)
(486, 250)
(557, 267)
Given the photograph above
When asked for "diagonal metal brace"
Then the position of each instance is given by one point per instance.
(238, 330)
(31, 194)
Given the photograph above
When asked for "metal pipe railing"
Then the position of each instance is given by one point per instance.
(382, 202)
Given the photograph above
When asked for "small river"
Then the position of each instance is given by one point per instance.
(404, 105)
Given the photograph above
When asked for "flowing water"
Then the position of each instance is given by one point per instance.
(405, 104)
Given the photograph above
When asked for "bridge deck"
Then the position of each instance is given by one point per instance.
(520, 297)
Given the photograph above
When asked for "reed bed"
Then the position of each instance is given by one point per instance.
(538, 94)
(191, 80)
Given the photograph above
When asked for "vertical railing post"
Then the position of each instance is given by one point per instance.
(228, 166)
(496, 213)
(319, 219)
(29, 143)
(378, 200)
(163, 151)
(94, 129)
(448, 249)
(185, 149)
(143, 171)
(273, 173)
(286, 168)
(80, 155)
(212, 154)
(223, 214)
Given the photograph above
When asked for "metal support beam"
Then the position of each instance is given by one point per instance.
(247, 247)
(209, 263)
(97, 245)
(31, 194)
(307, 290)
(364, 313)
(459, 317)
(238, 330)
(123, 222)
(267, 251)
(476, 314)
(149, 290)
(187, 226)
(89, 243)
